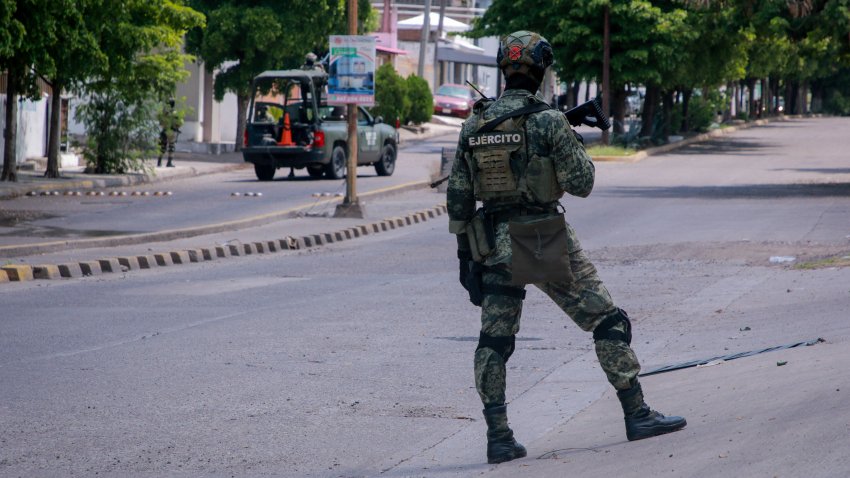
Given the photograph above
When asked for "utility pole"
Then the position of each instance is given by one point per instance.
(606, 67)
(423, 42)
(351, 206)
(437, 44)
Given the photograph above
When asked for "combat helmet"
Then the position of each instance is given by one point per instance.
(520, 51)
(310, 58)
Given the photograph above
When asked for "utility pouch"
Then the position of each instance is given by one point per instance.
(539, 249)
(474, 283)
(479, 231)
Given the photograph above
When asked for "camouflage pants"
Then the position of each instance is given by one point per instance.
(586, 301)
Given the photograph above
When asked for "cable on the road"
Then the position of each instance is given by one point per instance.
(724, 358)
(311, 211)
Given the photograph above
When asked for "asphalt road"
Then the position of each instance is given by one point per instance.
(197, 201)
(355, 359)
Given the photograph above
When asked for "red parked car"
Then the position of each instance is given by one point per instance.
(455, 100)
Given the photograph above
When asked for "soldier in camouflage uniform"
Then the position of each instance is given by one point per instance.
(548, 162)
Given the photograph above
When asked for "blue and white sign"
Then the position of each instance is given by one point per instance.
(352, 70)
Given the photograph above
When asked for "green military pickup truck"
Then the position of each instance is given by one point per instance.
(289, 127)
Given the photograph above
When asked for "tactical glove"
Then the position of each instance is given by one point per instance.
(464, 260)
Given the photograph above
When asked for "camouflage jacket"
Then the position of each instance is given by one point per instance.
(548, 134)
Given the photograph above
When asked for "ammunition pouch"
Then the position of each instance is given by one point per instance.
(482, 239)
(539, 250)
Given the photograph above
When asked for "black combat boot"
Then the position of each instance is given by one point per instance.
(501, 445)
(159, 162)
(169, 164)
(642, 421)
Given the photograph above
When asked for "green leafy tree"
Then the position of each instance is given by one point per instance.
(243, 38)
(21, 47)
(72, 54)
(643, 38)
(141, 40)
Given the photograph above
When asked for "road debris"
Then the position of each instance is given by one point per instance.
(782, 259)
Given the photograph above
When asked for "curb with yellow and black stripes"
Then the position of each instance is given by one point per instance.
(72, 270)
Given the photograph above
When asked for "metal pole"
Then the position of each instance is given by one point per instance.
(437, 79)
(423, 41)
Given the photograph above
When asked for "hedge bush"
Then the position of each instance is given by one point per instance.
(391, 96)
(421, 100)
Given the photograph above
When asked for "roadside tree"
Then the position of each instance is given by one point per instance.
(20, 48)
(141, 41)
(72, 54)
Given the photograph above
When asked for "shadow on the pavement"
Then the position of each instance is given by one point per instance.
(739, 147)
(53, 232)
(817, 170)
(297, 179)
(757, 191)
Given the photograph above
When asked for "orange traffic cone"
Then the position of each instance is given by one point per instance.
(286, 134)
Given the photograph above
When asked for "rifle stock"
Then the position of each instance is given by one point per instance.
(589, 113)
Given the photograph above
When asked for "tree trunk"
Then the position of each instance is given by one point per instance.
(606, 68)
(572, 98)
(751, 98)
(729, 114)
(648, 114)
(667, 113)
(618, 105)
(790, 97)
(241, 111)
(10, 171)
(803, 98)
(686, 102)
(817, 98)
(54, 133)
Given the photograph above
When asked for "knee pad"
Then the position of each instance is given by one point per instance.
(504, 346)
(604, 331)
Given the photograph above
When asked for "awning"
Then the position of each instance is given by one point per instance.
(417, 22)
(462, 51)
(391, 51)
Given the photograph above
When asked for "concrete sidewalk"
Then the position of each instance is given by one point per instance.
(784, 413)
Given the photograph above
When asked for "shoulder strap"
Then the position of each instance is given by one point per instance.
(525, 110)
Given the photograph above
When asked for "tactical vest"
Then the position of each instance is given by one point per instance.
(502, 169)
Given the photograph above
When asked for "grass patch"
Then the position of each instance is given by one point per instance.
(842, 261)
(610, 151)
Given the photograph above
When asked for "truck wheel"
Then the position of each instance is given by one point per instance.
(315, 171)
(336, 168)
(386, 165)
(264, 172)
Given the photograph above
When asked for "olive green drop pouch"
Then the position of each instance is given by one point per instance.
(481, 243)
(539, 249)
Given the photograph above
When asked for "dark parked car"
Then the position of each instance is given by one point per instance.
(455, 100)
(289, 127)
